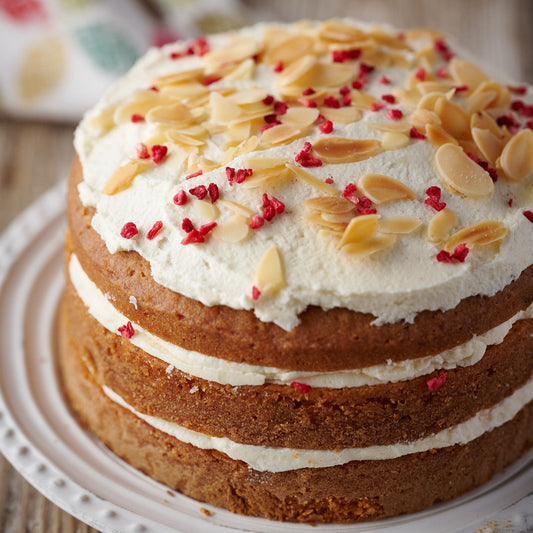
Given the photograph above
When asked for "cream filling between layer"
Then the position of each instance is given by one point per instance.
(269, 459)
(236, 374)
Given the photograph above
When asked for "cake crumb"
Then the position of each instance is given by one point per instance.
(194, 389)
(205, 511)
(169, 369)
(133, 301)
(109, 297)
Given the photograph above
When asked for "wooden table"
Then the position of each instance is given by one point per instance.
(35, 155)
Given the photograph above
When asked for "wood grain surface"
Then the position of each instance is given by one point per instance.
(35, 155)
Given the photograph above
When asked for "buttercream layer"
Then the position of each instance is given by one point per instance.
(276, 415)
(359, 490)
(240, 337)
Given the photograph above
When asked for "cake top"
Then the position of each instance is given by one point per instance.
(333, 164)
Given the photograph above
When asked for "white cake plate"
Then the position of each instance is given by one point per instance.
(42, 440)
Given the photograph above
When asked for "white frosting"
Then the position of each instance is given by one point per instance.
(272, 459)
(392, 285)
(226, 372)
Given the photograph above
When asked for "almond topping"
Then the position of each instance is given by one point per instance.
(393, 140)
(176, 114)
(289, 50)
(234, 229)
(122, 178)
(237, 208)
(362, 99)
(484, 121)
(517, 156)
(311, 180)
(331, 225)
(375, 244)
(480, 101)
(453, 118)
(438, 136)
(223, 109)
(503, 96)
(271, 177)
(440, 225)
(301, 117)
(339, 32)
(178, 137)
(178, 77)
(204, 209)
(269, 277)
(243, 71)
(248, 96)
(465, 73)
(427, 87)
(489, 144)
(359, 229)
(399, 225)
(332, 205)
(422, 118)
(237, 51)
(340, 150)
(479, 234)
(326, 75)
(343, 115)
(395, 127)
(382, 189)
(258, 163)
(280, 133)
(296, 70)
(462, 174)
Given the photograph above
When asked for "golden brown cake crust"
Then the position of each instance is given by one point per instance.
(360, 490)
(276, 415)
(237, 335)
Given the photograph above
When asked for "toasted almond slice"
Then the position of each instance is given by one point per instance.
(279, 134)
(332, 205)
(396, 127)
(481, 100)
(104, 121)
(382, 189)
(462, 174)
(479, 234)
(204, 209)
(343, 115)
(235, 229)
(399, 59)
(416, 34)
(340, 32)
(428, 101)
(237, 208)
(388, 40)
(247, 146)
(399, 225)
(178, 137)
(301, 117)
(332, 225)
(223, 109)
(427, 87)
(328, 233)
(311, 180)
(503, 98)
(123, 177)
(249, 117)
(407, 97)
(438, 136)
(269, 277)
(175, 114)
(296, 70)
(466, 73)
(237, 50)
(428, 56)
(326, 75)
(339, 219)
(340, 150)
(517, 156)
(243, 71)
(205, 164)
(178, 77)
(393, 140)
(422, 118)
(140, 103)
(289, 50)
(359, 229)
(258, 163)
(453, 118)
(469, 146)
(268, 177)
(238, 132)
(184, 90)
(248, 96)
(375, 244)
(441, 224)
(489, 144)
(362, 99)
(484, 121)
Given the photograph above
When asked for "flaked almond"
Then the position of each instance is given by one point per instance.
(503, 96)
(267, 177)
(489, 145)
(479, 234)
(441, 224)
(377, 243)
(178, 77)
(204, 209)
(438, 136)
(340, 218)
(453, 118)
(237, 208)
(395, 127)
(104, 121)
(388, 40)
(326, 75)
(248, 96)
(359, 229)
(484, 121)
(237, 50)
(465, 73)
(235, 229)
(517, 156)
(279, 134)
(462, 174)
(243, 71)
(399, 225)
(342, 115)
(258, 163)
(311, 180)
(362, 99)
(174, 115)
(341, 150)
(427, 56)
(123, 177)
(340, 32)
(393, 140)
(332, 225)
(238, 132)
(421, 118)
(428, 87)
(184, 91)
(289, 50)
(407, 97)
(333, 205)
(140, 103)
(296, 70)
(223, 109)
(382, 189)
(429, 101)
(177, 137)
(480, 101)
(301, 117)
(269, 277)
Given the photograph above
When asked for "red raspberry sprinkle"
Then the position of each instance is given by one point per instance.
(329, 180)
(137, 118)
(529, 124)
(376, 106)
(242, 174)
(197, 173)
(305, 159)
(255, 293)
(340, 56)
(359, 84)
(346, 100)
(180, 198)
(199, 47)
(420, 73)
(159, 153)
(156, 228)
(271, 118)
(529, 215)
(366, 211)
(129, 230)
(388, 98)
(365, 68)
(349, 193)
(461, 88)
(510, 202)
(444, 257)
(520, 89)
(384, 80)
(331, 101)
(142, 151)
(443, 49)
(433, 199)
(213, 191)
(415, 134)
(301, 386)
(277, 205)
(279, 66)
(262, 129)
(210, 80)
(257, 222)
(200, 192)
(194, 237)
(268, 99)
(442, 72)
(230, 174)
(269, 212)
(436, 382)
(126, 330)
(280, 108)
(206, 228)
(459, 254)
(394, 114)
(308, 91)
(186, 225)
(326, 127)
(307, 102)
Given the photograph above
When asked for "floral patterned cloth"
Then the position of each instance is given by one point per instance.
(58, 56)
